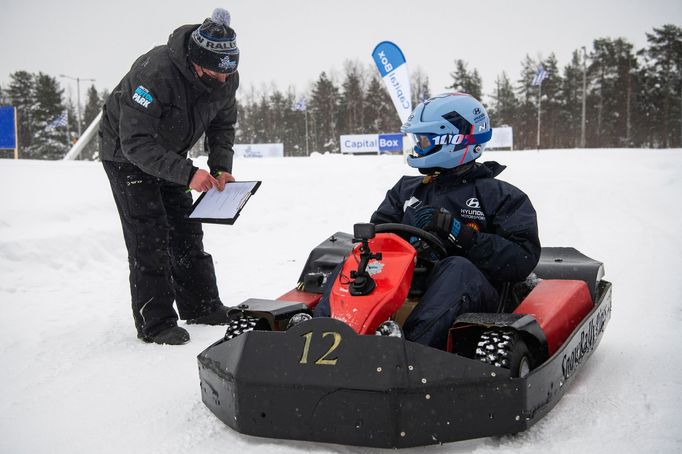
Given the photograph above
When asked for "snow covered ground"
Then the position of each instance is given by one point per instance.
(74, 378)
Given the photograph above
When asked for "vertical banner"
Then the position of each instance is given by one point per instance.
(8, 130)
(391, 64)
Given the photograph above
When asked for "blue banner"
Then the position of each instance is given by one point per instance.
(392, 66)
(390, 143)
(8, 132)
(387, 57)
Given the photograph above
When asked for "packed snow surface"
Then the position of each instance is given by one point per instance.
(75, 379)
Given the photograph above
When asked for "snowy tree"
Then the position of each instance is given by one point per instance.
(571, 95)
(4, 97)
(352, 99)
(279, 107)
(294, 120)
(551, 104)
(420, 86)
(503, 109)
(525, 125)
(610, 100)
(244, 126)
(49, 138)
(324, 101)
(261, 119)
(21, 94)
(466, 81)
(661, 89)
(380, 114)
(93, 106)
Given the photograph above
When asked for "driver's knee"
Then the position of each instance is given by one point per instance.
(460, 265)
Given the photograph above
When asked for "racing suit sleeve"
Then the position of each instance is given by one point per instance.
(220, 133)
(140, 114)
(510, 253)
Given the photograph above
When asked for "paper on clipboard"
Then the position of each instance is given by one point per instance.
(224, 205)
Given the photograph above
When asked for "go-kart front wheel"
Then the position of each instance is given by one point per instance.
(505, 348)
(244, 323)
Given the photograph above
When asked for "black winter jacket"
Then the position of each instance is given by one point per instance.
(499, 226)
(160, 109)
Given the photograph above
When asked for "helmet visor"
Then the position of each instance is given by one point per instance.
(424, 143)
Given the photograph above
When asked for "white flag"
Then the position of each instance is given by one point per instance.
(299, 105)
(59, 121)
(540, 75)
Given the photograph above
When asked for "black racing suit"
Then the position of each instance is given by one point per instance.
(498, 243)
(150, 121)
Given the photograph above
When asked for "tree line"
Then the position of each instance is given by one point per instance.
(47, 121)
(632, 98)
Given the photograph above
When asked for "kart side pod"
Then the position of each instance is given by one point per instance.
(558, 306)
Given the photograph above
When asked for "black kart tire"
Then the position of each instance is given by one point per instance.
(240, 325)
(506, 349)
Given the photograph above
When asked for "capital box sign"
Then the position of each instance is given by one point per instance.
(372, 143)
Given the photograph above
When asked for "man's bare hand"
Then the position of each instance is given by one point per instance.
(202, 181)
(223, 179)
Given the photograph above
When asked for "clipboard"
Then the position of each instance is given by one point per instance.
(223, 207)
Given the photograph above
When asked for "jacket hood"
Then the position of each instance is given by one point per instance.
(178, 51)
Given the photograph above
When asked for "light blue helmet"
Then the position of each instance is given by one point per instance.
(449, 130)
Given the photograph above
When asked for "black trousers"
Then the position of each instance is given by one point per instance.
(454, 286)
(165, 252)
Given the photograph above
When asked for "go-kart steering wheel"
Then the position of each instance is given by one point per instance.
(407, 231)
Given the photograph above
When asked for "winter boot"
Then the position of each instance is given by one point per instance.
(174, 335)
(217, 317)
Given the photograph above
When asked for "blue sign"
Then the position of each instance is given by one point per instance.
(389, 143)
(387, 57)
(8, 132)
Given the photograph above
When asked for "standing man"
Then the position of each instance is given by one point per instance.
(170, 97)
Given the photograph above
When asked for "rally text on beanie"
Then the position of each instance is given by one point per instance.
(213, 45)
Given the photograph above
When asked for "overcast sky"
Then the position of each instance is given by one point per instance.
(291, 42)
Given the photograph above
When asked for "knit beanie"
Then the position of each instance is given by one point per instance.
(214, 44)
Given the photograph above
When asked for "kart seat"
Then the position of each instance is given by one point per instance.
(568, 263)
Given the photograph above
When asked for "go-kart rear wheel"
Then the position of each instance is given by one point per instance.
(505, 348)
(240, 325)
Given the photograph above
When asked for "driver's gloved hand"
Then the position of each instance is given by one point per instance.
(440, 222)
(445, 225)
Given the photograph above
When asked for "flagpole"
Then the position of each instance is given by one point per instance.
(307, 151)
(78, 89)
(68, 130)
(539, 101)
(16, 135)
(582, 123)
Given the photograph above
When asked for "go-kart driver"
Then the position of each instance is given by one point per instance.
(489, 226)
